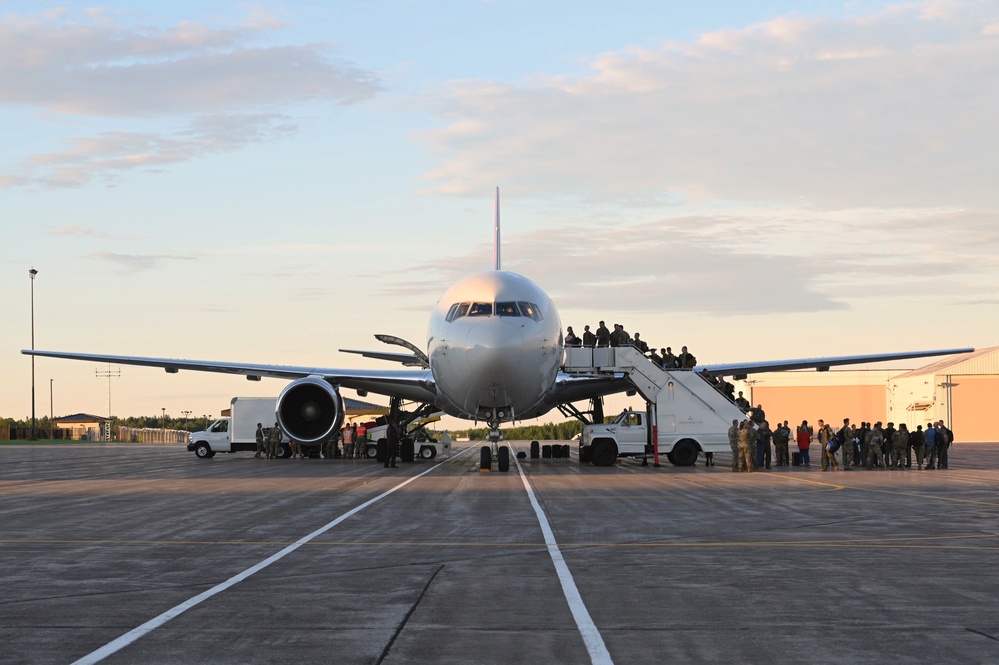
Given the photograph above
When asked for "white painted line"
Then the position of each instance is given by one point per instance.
(156, 622)
(591, 636)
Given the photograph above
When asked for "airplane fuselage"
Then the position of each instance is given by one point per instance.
(495, 346)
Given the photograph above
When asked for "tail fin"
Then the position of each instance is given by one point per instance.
(496, 236)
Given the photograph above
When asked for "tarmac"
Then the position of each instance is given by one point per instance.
(131, 553)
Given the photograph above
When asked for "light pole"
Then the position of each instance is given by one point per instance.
(164, 417)
(51, 408)
(34, 423)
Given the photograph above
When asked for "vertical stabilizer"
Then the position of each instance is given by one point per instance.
(496, 236)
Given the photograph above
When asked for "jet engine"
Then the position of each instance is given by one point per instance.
(309, 409)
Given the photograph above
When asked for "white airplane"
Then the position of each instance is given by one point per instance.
(494, 353)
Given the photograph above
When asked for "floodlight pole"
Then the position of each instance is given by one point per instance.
(34, 423)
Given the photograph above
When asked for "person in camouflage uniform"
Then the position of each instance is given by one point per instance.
(825, 436)
(898, 443)
(733, 442)
(781, 436)
(273, 441)
(745, 456)
(847, 433)
(260, 440)
(874, 443)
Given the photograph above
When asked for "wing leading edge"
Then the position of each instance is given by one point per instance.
(741, 370)
(415, 384)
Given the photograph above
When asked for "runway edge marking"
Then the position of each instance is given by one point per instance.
(131, 636)
(594, 642)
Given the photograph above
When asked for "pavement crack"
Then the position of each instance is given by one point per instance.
(978, 632)
(405, 619)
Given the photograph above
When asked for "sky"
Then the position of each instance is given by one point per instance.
(273, 182)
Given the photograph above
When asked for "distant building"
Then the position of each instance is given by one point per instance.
(84, 427)
(961, 390)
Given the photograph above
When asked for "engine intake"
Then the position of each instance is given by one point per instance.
(309, 409)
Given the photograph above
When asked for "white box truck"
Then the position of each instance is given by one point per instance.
(237, 432)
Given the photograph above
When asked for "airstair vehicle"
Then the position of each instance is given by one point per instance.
(688, 414)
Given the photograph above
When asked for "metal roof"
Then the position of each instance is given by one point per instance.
(81, 418)
(980, 361)
(355, 407)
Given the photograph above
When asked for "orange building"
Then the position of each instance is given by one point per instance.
(961, 390)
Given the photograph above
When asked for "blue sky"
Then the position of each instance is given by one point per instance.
(272, 182)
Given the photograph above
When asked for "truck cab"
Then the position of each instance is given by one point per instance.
(213, 440)
(626, 436)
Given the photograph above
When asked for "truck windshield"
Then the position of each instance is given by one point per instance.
(221, 426)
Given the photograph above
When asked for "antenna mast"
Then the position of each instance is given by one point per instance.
(496, 235)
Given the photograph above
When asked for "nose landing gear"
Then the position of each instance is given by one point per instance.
(494, 451)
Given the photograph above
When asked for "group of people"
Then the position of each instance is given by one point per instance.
(873, 447)
(880, 447)
(603, 336)
(268, 441)
(353, 444)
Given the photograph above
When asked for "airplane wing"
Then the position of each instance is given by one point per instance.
(410, 384)
(741, 370)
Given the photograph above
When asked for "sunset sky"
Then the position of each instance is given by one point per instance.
(272, 182)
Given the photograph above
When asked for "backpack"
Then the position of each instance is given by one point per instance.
(835, 442)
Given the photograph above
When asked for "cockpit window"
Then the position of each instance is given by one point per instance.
(481, 309)
(507, 309)
(450, 312)
(462, 311)
(530, 309)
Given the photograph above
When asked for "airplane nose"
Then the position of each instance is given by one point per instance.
(492, 345)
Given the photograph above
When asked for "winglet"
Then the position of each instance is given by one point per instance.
(496, 236)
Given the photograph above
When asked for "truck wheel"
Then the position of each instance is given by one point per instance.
(485, 459)
(584, 454)
(371, 451)
(406, 453)
(685, 453)
(428, 452)
(283, 451)
(603, 453)
(503, 459)
(204, 451)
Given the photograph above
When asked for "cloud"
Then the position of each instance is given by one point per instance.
(106, 156)
(214, 85)
(750, 260)
(888, 109)
(79, 66)
(138, 262)
(74, 231)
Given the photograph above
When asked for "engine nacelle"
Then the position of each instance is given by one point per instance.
(309, 410)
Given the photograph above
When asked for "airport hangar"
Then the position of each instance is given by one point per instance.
(961, 390)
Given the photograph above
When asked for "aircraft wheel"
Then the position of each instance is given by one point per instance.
(485, 459)
(503, 459)
(204, 451)
(603, 453)
(685, 453)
